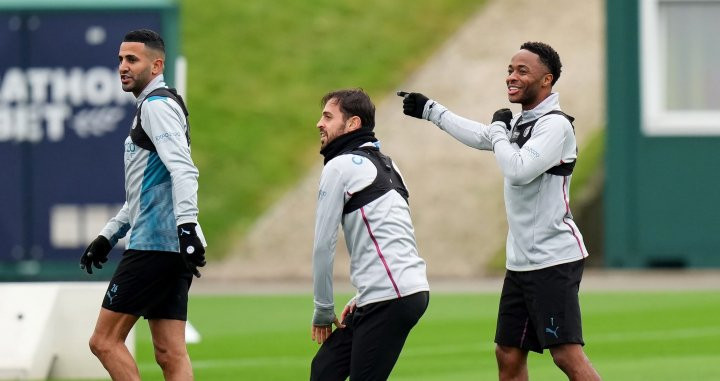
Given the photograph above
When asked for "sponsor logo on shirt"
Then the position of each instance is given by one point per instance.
(167, 136)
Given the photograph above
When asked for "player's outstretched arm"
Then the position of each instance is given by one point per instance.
(414, 104)
(466, 131)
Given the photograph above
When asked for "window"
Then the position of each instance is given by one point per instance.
(680, 67)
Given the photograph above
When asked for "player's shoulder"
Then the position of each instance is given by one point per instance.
(349, 164)
(555, 119)
(345, 162)
(556, 116)
(160, 101)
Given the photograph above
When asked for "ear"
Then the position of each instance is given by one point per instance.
(547, 80)
(157, 66)
(353, 123)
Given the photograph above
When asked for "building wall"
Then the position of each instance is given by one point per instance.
(661, 193)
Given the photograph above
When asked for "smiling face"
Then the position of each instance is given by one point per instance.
(138, 65)
(332, 123)
(529, 81)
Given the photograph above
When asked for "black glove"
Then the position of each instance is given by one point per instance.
(503, 115)
(413, 104)
(96, 254)
(191, 248)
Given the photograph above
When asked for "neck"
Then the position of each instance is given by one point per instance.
(536, 102)
(347, 142)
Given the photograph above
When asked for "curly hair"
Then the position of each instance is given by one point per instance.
(548, 56)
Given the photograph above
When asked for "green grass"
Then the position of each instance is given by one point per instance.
(257, 70)
(630, 336)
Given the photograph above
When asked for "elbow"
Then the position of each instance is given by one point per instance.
(518, 178)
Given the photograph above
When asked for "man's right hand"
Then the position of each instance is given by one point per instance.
(413, 104)
(96, 254)
(320, 333)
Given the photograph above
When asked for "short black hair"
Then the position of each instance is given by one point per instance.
(148, 37)
(548, 56)
(353, 102)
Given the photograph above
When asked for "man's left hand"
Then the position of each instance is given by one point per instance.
(503, 115)
(191, 248)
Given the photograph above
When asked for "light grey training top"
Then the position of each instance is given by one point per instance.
(160, 187)
(384, 261)
(542, 232)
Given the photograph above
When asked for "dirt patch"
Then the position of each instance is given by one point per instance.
(455, 191)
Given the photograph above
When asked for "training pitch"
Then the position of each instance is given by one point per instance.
(629, 335)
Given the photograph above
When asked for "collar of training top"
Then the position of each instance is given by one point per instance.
(156, 82)
(347, 142)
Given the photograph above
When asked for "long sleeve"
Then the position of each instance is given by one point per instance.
(329, 213)
(541, 152)
(472, 134)
(164, 123)
(118, 226)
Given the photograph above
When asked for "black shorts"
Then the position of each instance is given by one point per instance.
(370, 344)
(540, 308)
(152, 284)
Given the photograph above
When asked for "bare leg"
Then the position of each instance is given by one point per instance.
(512, 363)
(571, 359)
(108, 345)
(170, 351)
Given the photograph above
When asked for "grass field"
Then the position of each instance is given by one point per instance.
(257, 70)
(630, 336)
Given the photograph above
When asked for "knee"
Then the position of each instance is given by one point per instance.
(99, 346)
(167, 358)
(508, 357)
(566, 357)
(562, 361)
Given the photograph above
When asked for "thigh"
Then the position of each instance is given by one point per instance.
(135, 284)
(380, 333)
(555, 304)
(168, 335)
(515, 328)
(145, 282)
(332, 361)
(172, 300)
(113, 326)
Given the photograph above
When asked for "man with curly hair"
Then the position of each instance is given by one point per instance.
(536, 151)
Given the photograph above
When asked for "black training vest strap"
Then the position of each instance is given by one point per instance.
(522, 132)
(138, 134)
(386, 180)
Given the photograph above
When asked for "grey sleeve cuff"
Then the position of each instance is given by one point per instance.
(323, 316)
(497, 133)
(433, 111)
